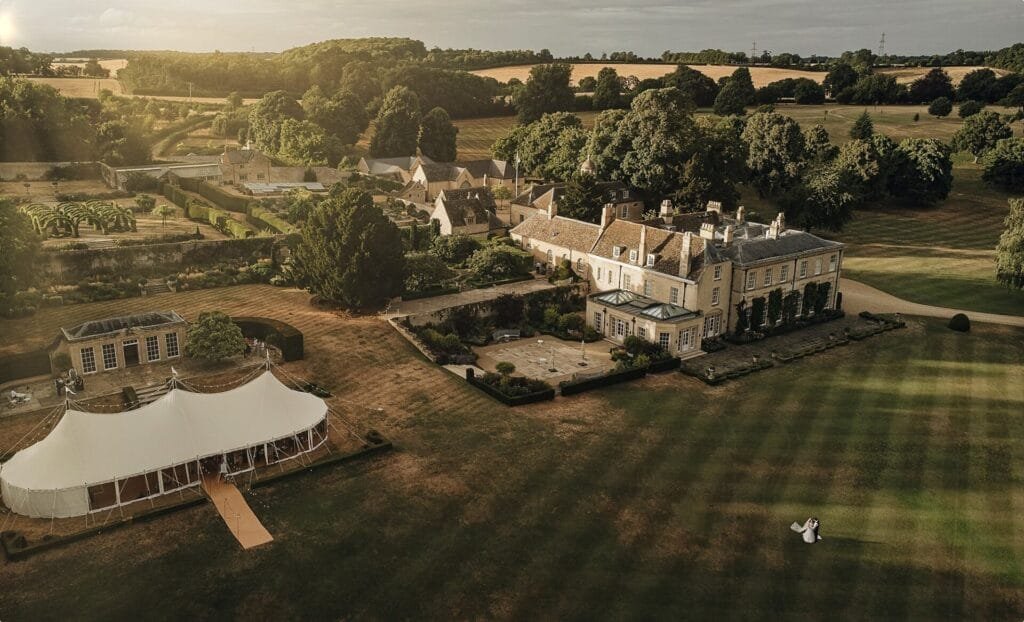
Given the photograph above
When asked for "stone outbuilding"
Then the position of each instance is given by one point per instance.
(120, 342)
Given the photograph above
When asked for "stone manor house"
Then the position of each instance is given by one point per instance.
(679, 278)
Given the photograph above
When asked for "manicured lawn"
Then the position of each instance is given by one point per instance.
(943, 256)
(657, 499)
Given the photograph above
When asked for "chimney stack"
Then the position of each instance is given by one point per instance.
(741, 214)
(684, 254)
(642, 251)
(778, 226)
(714, 206)
(666, 208)
(727, 237)
(607, 215)
(707, 231)
(552, 209)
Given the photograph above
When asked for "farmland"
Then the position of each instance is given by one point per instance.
(760, 75)
(662, 498)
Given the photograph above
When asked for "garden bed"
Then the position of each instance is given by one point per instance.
(512, 390)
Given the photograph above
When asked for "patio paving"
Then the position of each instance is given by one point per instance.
(536, 357)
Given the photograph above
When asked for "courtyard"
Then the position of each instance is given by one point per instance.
(659, 498)
(548, 358)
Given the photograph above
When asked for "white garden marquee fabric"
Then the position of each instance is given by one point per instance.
(52, 477)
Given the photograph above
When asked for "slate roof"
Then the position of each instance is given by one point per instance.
(484, 195)
(568, 233)
(498, 169)
(393, 166)
(541, 195)
(665, 245)
(790, 242)
(435, 171)
(239, 156)
(95, 328)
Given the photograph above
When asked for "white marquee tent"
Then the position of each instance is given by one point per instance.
(91, 462)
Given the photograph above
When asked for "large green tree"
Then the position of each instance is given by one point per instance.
(862, 128)
(931, 86)
(980, 133)
(343, 115)
(818, 144)
(546, 90)
(20, 244)
(823, 200)
(582, 199)
(350, 252)
(699, 87)
(304, 143)
(268, 115)
(980, 85)
(1010, 250)
(737, 94)
(438, 136)
(776, 152)
(841, 76)
(214, 337)
(535, 144)
(1004, 165)
(922, 171)
(608, 91)
(397, 125)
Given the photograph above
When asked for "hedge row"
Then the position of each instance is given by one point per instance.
(26, 365)
(220, 219)
(519, 400)
(174, 195)
(217, 196)
(572, 387)
(264, 218)
(275, 332)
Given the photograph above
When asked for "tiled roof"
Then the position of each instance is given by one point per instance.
(484, 195)
(541, 195)
(564, 232)
(470, 208)
(498, 169)
(239, 156)
(665, 245)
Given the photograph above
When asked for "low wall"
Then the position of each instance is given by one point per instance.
(74, 266)
(277, 333)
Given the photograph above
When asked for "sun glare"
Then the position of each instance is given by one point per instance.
(6, 28)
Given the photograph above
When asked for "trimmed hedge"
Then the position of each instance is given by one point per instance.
(262, 217)
(219, 218)
(571, 387)
(175, 195)
(519, 400)
(217, 196)
(429, 293)
(657, 367)
(276, 332)
(25, 365)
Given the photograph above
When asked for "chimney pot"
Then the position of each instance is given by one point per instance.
(607, 215)
(685, 253)
(741, 214)
(707, 231)
(727, 237)
(552, 209)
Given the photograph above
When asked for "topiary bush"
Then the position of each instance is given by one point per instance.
(960, 323)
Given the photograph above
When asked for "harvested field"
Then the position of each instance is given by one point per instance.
(760, 75)
(113, 64)
(661, 498)
(906, 75)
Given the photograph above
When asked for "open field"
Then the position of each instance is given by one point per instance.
(89, 88)
(661, 498)
(760, 75)
(113, 64)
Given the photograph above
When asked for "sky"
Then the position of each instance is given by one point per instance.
(566, 27)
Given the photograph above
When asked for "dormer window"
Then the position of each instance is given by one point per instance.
(650, 259)
(632, 255)
(616, 251)
(625, 194)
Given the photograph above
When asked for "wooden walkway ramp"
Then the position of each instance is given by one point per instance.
(236, 513)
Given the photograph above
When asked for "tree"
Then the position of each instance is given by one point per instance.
(587, 84)
(808, 92)
(145, 203)
(342, 116)
(546, 90)
(397, 125)
(214, 337)
(818, 145)
(1004, 165)
(505, 368)
(810, 297)
(776, 151)
(737, 94)
(423, 271)
(863, 169)
(757, 312)
(1015, 98)
(582, 199)
(266, 117)
(700, 88)
(933, 85)
(940, 107)
(608, 92)
(93, 69)
(454, 249)
(790, 304)
(234, 100)
(741, 317)
(981, 85)
(875, 88)
(306, 143)
(437, 136)
(164, 211)
(980, 133)
(840, 77)
(970, 108)
(823, 200)
(718, 164)
(499, 261)
(350, 252)
(21, 245)
(536, 144)
(1010, 250)
(922, 171)
(862, 128)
